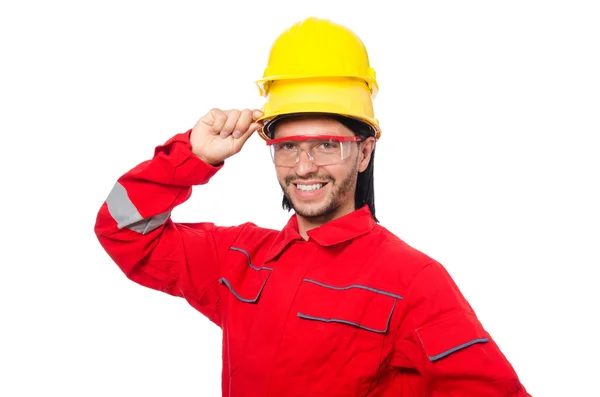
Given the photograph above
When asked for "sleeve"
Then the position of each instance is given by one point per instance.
(443, 339)
(134, 227)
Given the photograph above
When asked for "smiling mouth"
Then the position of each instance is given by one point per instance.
(310, 188)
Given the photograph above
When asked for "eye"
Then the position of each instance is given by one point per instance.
(328, 145)
(284, 146)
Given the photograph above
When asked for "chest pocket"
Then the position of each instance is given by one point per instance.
(245, 280)
(338, 336)
(358, 306)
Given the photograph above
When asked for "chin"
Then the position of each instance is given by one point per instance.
(322, 205)
(308, 211)
(315, 209)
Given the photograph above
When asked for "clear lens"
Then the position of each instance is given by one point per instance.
(320, 151)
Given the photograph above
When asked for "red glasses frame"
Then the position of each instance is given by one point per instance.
(353, 138)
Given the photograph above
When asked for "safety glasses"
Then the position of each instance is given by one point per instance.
(321, 149)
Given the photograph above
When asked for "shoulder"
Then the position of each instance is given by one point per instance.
(394, 257)
(400, 253)
(250, 231)
(246, 234)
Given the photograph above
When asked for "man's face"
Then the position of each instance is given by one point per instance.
(315, 191)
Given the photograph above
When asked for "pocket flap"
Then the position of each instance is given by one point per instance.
(451, 334)
(355, 305)
(246, 281)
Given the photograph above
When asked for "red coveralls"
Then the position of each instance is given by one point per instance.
(353, 311)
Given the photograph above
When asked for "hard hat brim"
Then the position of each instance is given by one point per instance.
(348, 97)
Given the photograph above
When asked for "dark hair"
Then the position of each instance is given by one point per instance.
(365, 191)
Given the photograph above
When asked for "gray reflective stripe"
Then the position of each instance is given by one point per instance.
(336, 320)
(126, 215)
(249, 261)
(147, 225)
(450, 351)
(354, 286)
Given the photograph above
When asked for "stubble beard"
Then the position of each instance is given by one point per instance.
(332, 202)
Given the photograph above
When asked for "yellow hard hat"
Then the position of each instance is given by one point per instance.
(318, 66)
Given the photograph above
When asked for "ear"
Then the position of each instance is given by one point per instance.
(365, 149)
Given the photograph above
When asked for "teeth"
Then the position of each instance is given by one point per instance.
(308, 188)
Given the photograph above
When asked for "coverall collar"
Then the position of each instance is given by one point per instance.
(333, 232)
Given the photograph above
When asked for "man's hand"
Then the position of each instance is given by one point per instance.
(220, 134)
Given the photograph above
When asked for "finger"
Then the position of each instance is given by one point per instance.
(253, 127)
(256, 114)
(243, 123)
(248, 133)
(233, 116)
(216, 119)
(239, 142)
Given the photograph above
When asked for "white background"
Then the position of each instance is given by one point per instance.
(488, 162)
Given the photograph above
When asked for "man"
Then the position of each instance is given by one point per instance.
(333, 304)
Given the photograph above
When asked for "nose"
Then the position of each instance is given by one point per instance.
(305, 164)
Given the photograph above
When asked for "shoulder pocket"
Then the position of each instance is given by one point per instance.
(451, 334)
(355, 305)
(245, 280)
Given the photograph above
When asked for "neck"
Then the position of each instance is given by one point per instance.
(307, 223)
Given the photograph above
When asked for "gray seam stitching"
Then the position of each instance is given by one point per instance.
(354, 286)
(248, 258)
